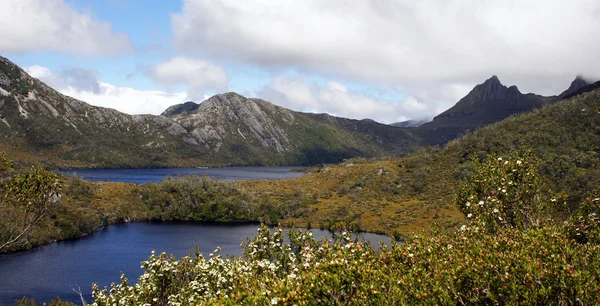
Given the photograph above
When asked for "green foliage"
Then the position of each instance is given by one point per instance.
(197, 198)
(37, 190)
(5, 164)
(31, 302)
(537, 266)
(584, 225)
(27, 199)
(503, 192)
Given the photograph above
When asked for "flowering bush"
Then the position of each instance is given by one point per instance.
(538, 266)
(503, 192)
(584, 225)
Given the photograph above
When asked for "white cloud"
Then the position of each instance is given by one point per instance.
(195, 73)
(128, 100)
(302, 94)
(53, 25)
(410, 45)
(95, 92)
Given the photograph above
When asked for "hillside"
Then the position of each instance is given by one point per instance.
(41, 126)
(401, 195)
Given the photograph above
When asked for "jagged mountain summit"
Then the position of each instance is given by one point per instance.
(577, 84)
(487, 103)
(40, 125)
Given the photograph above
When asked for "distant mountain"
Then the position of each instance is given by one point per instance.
(410, 123)
(487, 103)
(40, 125)
(578, 87)
(180, 108)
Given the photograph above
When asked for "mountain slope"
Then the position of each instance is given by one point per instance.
(40, 125)
(264, 132)
(487, 103)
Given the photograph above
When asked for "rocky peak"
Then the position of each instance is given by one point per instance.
(577, 84)
(493, 89)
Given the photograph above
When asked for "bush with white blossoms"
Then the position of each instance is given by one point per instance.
(269, 257)
(503, 192)
(538, 266)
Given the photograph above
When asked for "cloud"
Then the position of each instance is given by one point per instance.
(409, 45)
(128, 100)
(84, 84)
(83, 79)
(53, 25)
(303, 94)
(195, 73)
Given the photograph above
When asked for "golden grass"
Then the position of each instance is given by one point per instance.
(362, 193)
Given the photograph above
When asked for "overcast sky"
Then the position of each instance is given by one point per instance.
(381, 59)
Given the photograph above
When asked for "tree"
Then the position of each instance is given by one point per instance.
(26, 199)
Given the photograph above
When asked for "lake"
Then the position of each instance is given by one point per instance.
(142, 176)
(52, 270)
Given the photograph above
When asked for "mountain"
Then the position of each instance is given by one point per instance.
(410, 123)
(579, 88)
(577, 84)
(487, 103)
(40, 125)
(236, 127)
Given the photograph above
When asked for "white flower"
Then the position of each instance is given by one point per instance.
(518, 162)
(463, 228)
(274, 300)
(411, 255)
(499, 158)
(469, 215)
(480, 202)
(504, 190)
(495, 210)
(468, 204)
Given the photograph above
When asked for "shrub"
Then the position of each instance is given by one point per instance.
(503, 192)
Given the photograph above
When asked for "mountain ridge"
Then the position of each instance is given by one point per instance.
(40, 125)
(486, 103)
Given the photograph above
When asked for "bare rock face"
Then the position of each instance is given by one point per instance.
(240, 119)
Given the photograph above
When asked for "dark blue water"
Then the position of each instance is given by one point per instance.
(52, 270)
(142, 176)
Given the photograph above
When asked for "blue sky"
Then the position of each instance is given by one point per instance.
(389, 60)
